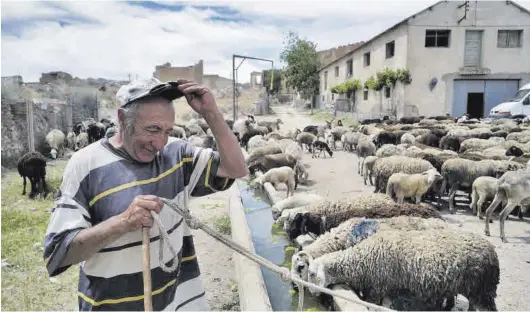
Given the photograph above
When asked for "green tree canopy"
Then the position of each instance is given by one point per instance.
(276, 81)
(302, 61)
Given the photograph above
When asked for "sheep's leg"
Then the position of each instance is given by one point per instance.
(442, 190)
(418, 199)
(473, 205)
(370, 178)
(499, 197)
(45, 187)
(365, 175)
(24, 185)
(33, 188)
(451, 199)
(504, 214)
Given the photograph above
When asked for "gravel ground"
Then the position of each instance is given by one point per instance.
(337, 176)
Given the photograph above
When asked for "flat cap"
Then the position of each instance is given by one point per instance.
(144, 88)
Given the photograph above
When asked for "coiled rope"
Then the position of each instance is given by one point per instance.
(285, 273)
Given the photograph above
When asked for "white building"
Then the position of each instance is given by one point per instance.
(463, 57)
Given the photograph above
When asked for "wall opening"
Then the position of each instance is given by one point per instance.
(475, 104)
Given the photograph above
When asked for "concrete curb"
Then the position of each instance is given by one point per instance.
(340, 304)
(253, 294)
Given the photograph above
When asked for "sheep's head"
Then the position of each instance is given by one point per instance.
(304, 223)
(317, 275)
(432, 175)
(256, 182)
(300, 264)
(53, 152)
(514, 151)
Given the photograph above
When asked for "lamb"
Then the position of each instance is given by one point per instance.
(326, 215)
(307, 139)
(81, 141)
(262, 151)
(279, 175)
(513, 187)
(459, 172)
(482, 189)
(32, 165)
(294, 201)
(349, 140)
(70, 140)
(351, 232)
(55, 140)
(335, 134)
(386, 166)
(321, 146)
(365, 148)
(431, 264)
(368, 166)
(411, 185)
(407, 138)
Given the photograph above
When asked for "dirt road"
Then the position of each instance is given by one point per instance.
(337, 176)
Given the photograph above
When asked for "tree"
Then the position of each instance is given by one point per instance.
(302, 67)
(276, 81)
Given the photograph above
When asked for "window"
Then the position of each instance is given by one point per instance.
(387, 92)
(509, 38)
(336, 71)
(367, 59)
(332, 96)
(437, 38)
(349, 68)
(323, 98)
(390, 49)
(365, 95)
(325, 80)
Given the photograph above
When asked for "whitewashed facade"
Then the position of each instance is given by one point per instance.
(457, 64)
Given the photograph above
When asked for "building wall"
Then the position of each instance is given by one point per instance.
(216, 82)
(378, 62)
(167, 73)
(444, 63)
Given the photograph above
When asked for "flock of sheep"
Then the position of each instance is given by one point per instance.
(390, 251)
(32, 165)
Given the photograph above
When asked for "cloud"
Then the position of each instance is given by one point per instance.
(114, 39)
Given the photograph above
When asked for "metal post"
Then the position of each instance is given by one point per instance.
(29, 117)
(234, 86)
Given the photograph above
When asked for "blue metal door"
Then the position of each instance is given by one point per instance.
(498, 91)
(460, 90)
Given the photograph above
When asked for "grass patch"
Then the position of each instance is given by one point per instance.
(25, 281)
(222, 224)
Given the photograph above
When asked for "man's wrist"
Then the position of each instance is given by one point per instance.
(119, 225)
(213, 116)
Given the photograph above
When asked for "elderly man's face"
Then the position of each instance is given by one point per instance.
(153, 122)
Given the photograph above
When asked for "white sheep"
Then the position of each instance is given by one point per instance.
(294, 150)
(368, 166)
(433, 265)
(411, 185)
(482, 189)
(55, 140)
(276, 176)
(387, 150)
(408, 138)
(294, 201)
(70, 140)
(513, 187)
(351, 232)
(81, 140)
(256, 141)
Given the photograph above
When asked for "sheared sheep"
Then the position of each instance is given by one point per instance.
(276, 176)
(349, 140)
(365, 148)
(459, 172)
(386, 166)
(513, 187)
(81, 141)
(482, 189)
(321, 146)
(307, 139)
(55, 140)
(432, 264)
(294, 201)
(411, 185)
(368, 166)
(326, 215)
(32, 165)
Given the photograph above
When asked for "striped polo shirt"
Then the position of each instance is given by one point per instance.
(99, 182)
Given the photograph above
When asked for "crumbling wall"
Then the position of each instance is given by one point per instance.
(14, 131)
(167, 73)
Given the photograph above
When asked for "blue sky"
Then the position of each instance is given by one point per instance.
(111, 39)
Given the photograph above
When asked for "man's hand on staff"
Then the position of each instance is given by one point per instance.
(138, 214)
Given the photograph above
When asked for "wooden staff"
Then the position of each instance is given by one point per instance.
(148, 304)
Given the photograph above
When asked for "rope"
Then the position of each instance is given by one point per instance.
(285, 273)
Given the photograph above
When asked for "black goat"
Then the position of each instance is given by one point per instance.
(385, 137)
(33, 166)
(95, 132)
(321, 146)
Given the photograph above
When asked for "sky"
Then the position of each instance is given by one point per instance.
(115, 39)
